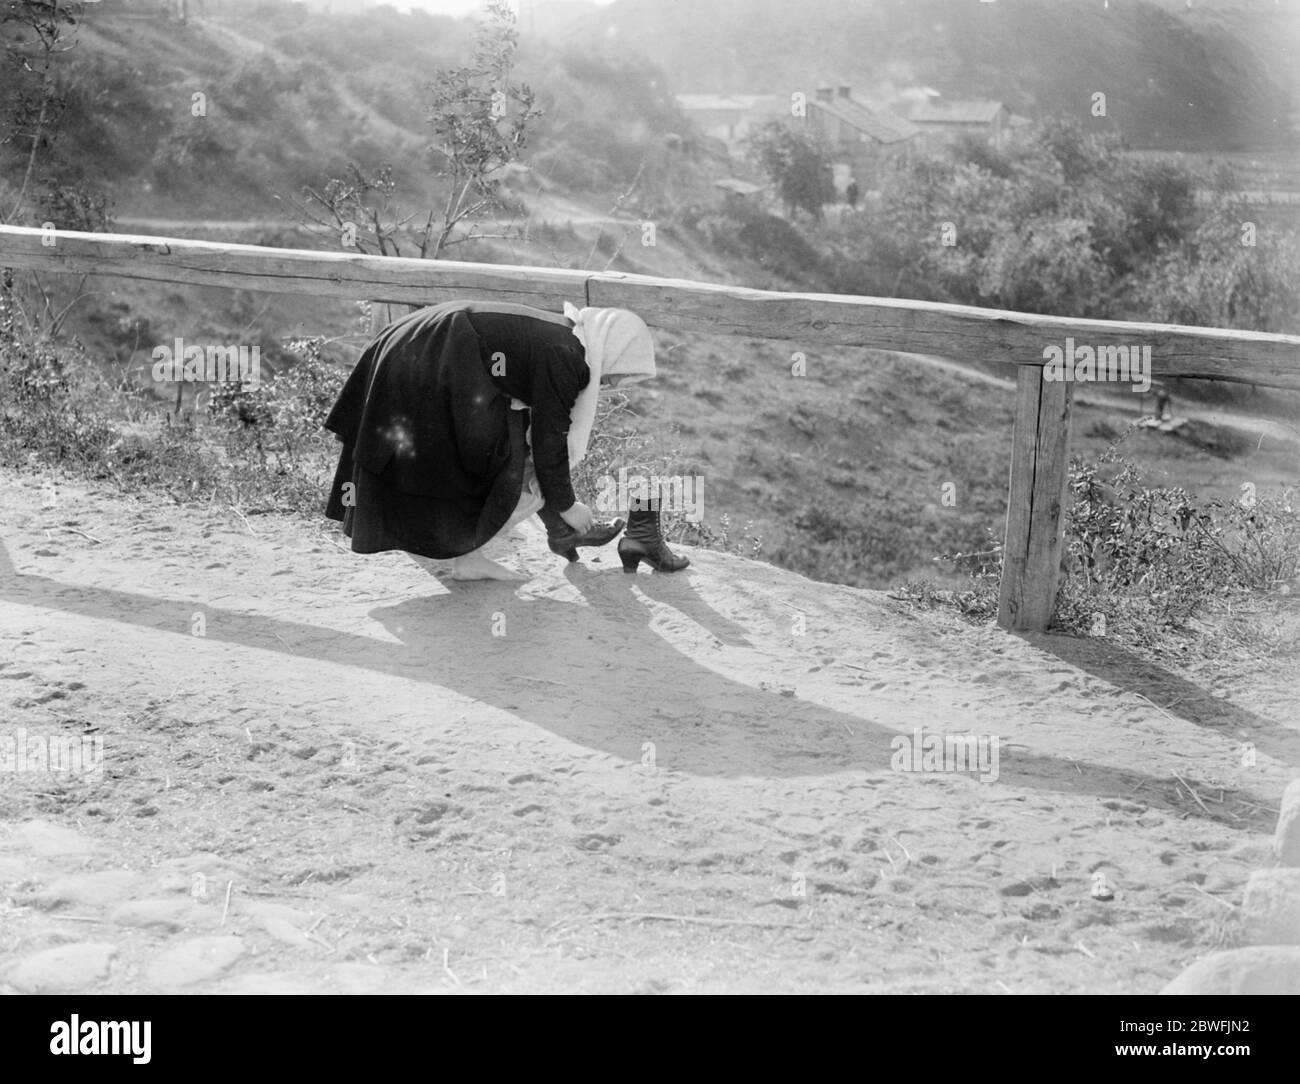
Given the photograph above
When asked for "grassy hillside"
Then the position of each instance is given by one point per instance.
(220, 116)
(1270, 29)
(842, 472)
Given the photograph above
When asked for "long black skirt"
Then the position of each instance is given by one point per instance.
(433, 457)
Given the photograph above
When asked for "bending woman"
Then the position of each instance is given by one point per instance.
(461, 420)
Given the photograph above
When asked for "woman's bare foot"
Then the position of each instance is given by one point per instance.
(474, 566)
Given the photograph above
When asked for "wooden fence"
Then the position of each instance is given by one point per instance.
(1040, 443)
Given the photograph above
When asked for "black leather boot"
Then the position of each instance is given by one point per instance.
(644, 542)
(564, 540)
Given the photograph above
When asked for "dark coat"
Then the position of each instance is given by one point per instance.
(433, 452)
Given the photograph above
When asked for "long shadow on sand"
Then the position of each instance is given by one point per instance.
(641, 690)
(1175, 695)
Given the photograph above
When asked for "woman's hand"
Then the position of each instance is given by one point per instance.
(578, 517)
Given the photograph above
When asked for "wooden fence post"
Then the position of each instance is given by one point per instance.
(1036, 503)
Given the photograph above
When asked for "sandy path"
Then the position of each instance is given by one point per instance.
(409, 783)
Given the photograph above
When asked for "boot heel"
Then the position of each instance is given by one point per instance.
(644, 541)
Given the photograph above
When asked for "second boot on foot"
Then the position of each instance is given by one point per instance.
(644, 542)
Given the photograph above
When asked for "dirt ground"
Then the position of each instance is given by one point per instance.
(323, 772)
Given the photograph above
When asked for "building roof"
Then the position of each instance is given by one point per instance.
(876, 124)
(982, 111)
(760, 101)
(739, 187)
(739, 103)
(712, 101)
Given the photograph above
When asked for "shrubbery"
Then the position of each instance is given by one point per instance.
(1062, 222)
(260, 447)
(1141, 562)
(750, 233)
(1144, 557)
(50, 393)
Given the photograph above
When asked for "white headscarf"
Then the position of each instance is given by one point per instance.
(617, 343)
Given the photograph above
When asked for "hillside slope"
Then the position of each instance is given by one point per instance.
(287, 98)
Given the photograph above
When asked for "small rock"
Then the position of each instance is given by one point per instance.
(172, 913)
(1260, 969)
(66, 969)
(193, 961)
(1286, 841)
(45, 838)
(1252, 852)
(212, 866)
(284, 931)
(202, 875)
(1224, 882)
(1271, 908)
(266, 909)
(89, 889)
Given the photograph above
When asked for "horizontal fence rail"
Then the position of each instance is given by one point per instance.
(921, 327)
(1036, 503)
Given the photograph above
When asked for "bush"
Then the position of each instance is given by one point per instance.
(1152, 557)
(1211, 278)
(56, 408)
(50, 404)
(752, 234)
(797, 159)
(1127, 542)
(1139, 562)
(279, 424)
(1061, 222)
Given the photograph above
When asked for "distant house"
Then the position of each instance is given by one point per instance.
(863, 139)
(731, 117)
(952, 120)
(738, 194)
(716, 115)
